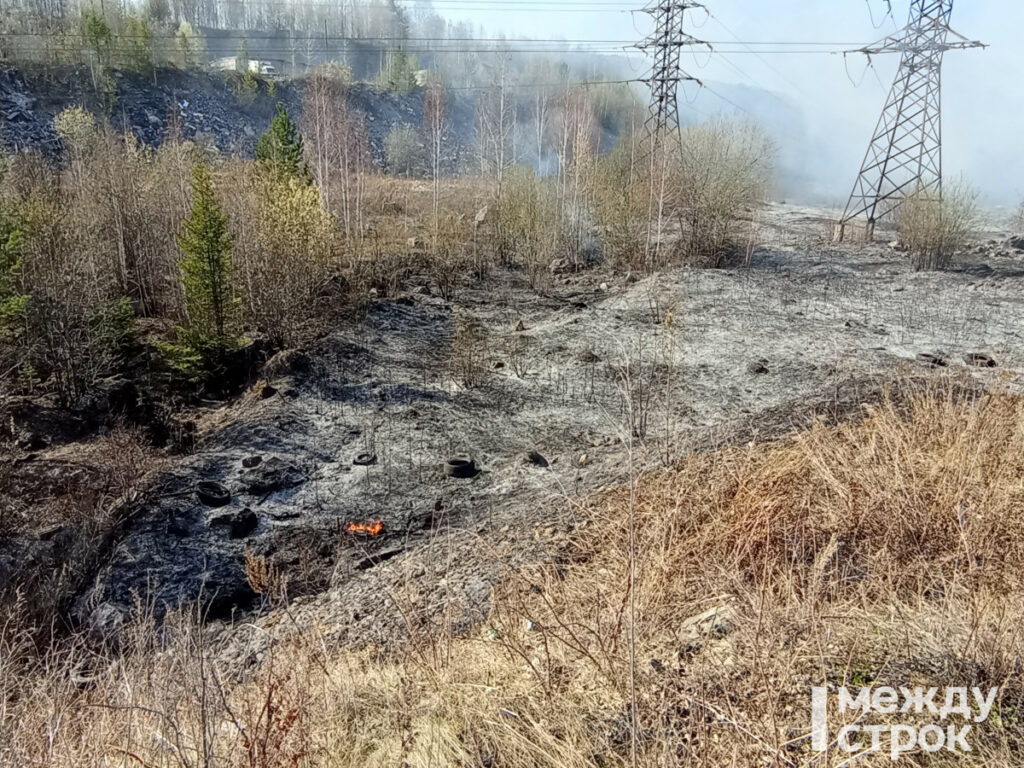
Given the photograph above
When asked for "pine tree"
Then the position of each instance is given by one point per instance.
(280, 148)
(190, 45)
(137, 41)
(12, 303)
(399, 72)
(206, 273)
(97, 35)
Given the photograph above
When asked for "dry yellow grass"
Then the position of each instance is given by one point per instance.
(887, 551)
(933, 229)
(75, 496)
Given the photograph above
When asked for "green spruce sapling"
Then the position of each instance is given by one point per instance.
(280, 148)
(213, 310)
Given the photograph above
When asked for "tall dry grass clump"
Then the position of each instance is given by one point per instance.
(912, 498)
(874, 553)
(934, 229)
(450, 258)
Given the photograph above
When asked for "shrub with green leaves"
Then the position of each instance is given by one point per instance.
(285, 256)
(518, 216)
(527, 224)
(115, 326)
(247, 87)
(97, 35)
(138, 45)
(77, 130)
(190, 45)
(622, 196)
(335, 72)
(242, 56)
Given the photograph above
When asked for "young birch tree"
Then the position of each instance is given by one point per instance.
(435, 103)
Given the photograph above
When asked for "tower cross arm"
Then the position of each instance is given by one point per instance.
(672, 79)
(678, 41)
(667, 6)
(900, 43)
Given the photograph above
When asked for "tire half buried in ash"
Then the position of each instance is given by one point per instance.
(461, 468)
(213, 494)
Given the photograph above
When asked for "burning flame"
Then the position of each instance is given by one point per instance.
(373, 529)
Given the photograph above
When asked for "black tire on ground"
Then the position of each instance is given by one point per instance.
(461, 468)
(365, 460)
(213, 494)
(249, 462)
(978, 360)
(935, 361)
(537, 459)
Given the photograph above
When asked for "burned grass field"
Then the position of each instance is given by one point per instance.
(484, 529)
(454, 407)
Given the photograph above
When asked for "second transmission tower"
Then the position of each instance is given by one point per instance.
(905, 154)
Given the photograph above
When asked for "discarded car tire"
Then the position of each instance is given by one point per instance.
(213, 494)
(251, 462)
(365, 460)
(239, 524)
(461, 468)
(537, 459)
(978, 360)
(935, 361)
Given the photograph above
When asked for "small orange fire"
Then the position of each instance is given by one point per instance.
(373, 529)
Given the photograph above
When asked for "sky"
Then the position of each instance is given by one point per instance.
(840, 99)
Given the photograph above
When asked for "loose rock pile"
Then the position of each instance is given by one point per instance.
(1007, 249)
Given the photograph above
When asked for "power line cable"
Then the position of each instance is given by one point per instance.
(299, 45)
(863, 75)
(727, 100)
(240, 35)
(748, 47)
(567, 85)
(871, 13)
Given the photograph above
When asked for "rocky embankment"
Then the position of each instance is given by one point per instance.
(204, 106)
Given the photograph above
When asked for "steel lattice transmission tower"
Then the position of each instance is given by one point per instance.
(905, 154)
(665, 45)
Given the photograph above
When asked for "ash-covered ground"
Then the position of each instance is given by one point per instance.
(605, 374)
